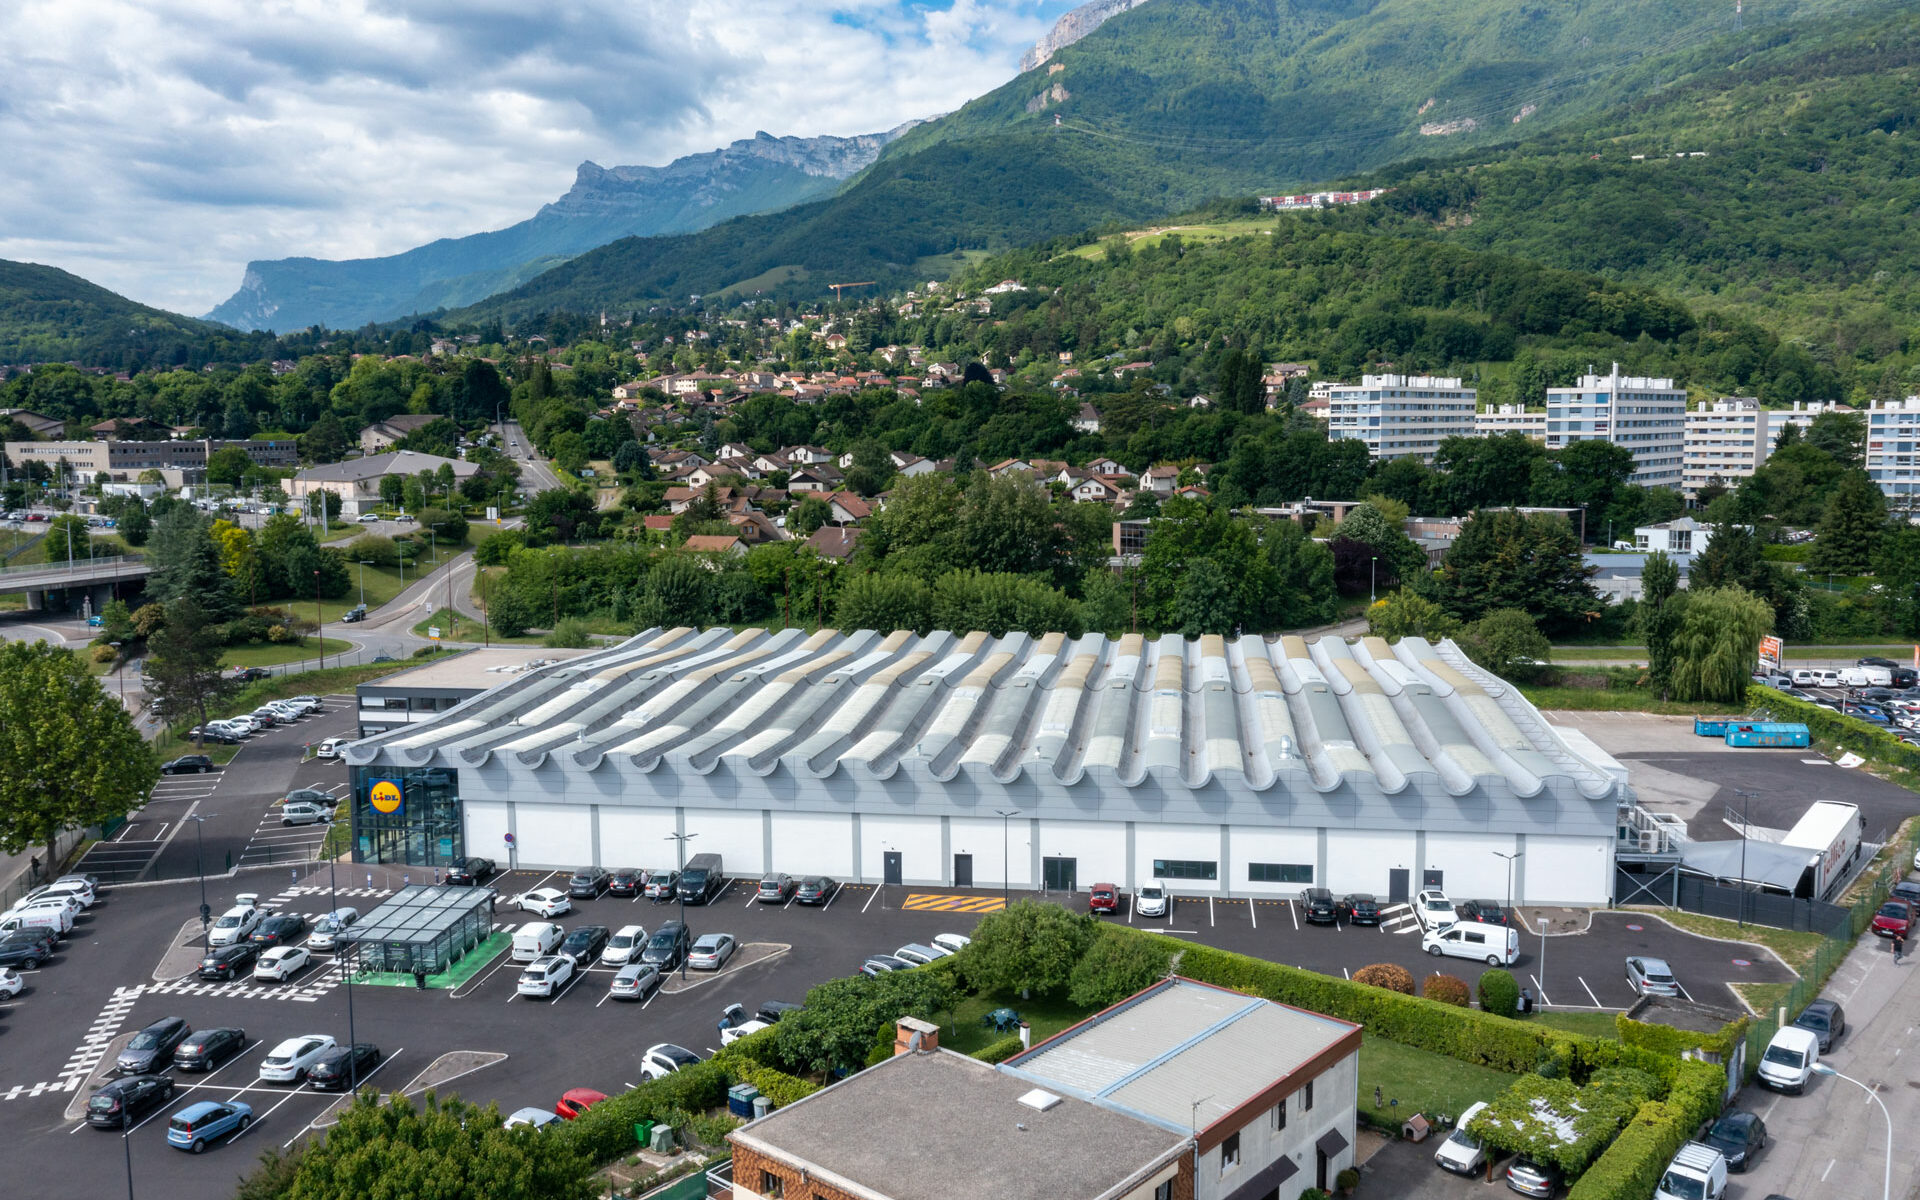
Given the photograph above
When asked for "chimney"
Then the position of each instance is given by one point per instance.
(1026, 1036)
(912, 1035)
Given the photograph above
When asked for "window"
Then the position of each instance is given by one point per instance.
(1306, 1097)
(772, 1186)
(1230, 1152)
(1279, 873)
(1164, 1191)
(1280, 1115)
(1185, 868)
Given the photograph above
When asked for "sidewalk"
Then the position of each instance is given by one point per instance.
(1832, 1141)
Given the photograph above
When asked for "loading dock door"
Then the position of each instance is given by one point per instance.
(892, 867)
(1430, 878)
(963, 870)
(1060, 874)
(1397, 892)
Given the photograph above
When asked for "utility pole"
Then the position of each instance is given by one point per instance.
(1746, 798)
(682, 839)
(1006, 856)
(319, 626)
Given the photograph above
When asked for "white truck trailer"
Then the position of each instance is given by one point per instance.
(1830, 832)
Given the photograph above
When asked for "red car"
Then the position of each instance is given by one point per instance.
(1104, 898)
(576, 1101)
(1895, 916)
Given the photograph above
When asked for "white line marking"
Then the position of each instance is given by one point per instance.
(1590, 995)
(1210, 920)
(869, 903)
(1294, 913)
(1251, 905)
(1829, 1170)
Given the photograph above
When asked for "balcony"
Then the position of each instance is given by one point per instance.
(720, 1184)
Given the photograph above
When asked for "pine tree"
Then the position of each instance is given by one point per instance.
(1850, 531)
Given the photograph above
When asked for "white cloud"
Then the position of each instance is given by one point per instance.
(155, 146)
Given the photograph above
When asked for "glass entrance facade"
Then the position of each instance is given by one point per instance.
(407, 817)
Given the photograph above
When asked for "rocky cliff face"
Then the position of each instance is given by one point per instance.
(1072, 26)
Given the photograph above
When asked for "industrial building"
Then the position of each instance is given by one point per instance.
(1244, 767)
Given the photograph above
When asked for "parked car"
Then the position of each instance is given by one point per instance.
(545, 902)
(336, 1070)
(288, 1062)
(11, 984)
(636, 981)
(711, 952)
(1531, 1178)
(1895, 916)
(575, 1101)
(303, 813)
(1487, 912)
(281, 929)
(1495, 945)
(187, 764)
(626, 881)
(535, 1119)
(1907, 890)
(587, 883)
(815, 889)
(735, 1024)
(1824, 1019)
(624, 946)
(952, 943)
(1460, 1152)
(1649, 976)
(470, 871)
(235, 925)
(1697, 1171)
(777, 888)
(1317, 906)
(26, 949)
(197, 1124)
(205, 1049)
(330, 747)
(585, 943)
(223, 963)
(1150, 901)
(121, 1102)
(535, 940)
(920, 955)
(1103, 898)
(662, 885)
(1740, 1136)
(664, 1059)
(327, 930)
(1432, 909)
(282, 963)
(1360, 908)
(879, 964)
(1788, 1061)
(545, 976)
(668, 946)
(152, 1048)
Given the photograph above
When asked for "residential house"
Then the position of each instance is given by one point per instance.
(357, 481)
(715, 543)
(1087, 420)
(125, 428)
(40, 425)
(1192, 491)
(382, 434)
(1003, 287)
(657, 523)
(1085, 486)
(733, 450)
(1161, 480)
(1107, 466)
(818, 477)
(755, 527)
(1682, 536)
(836, 542)
(767, 463)
(849, 508)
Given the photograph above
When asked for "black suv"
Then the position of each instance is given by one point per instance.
(588, 882)
(668, 946)
(335, 1071)
(208, 1048)
(119, 1104)
(469, 871)
(283, 930)
(627, 881)
(187, 764)
(26, 949)
(584, 944)
(229, 962)
(1318, 906)
(1487, 912)
(1360, 908)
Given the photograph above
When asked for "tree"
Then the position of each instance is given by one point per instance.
(1528, 561)
(134, 525)
(393, 490)
(1850, 531)
(449, 1149)
(70, 755)
(1843, 435)
(183, 673)
(808, 516)
(1406, 613)
(1118, 964)
(186, 562)
(837, 1026)
(228, 465)
(561, 514)
(1499, 994)
(1507, 642)
(1238, 386)
(325, 441)
(1583, 475)
(448, 525)
(1659, 615)
(1897, 563)
(872, 469)
(884, 602)
(1717, 642)
(1370, 552)
(1028, 947)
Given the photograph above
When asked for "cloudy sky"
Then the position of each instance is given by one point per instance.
(155, 146)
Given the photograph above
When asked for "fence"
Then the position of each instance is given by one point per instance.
(25, 881)
(1692, 893)
(1841, 940)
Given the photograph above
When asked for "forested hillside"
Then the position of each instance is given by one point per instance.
(1175, 102)
(50, 315)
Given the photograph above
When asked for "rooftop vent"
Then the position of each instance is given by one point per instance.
(1039, 1101)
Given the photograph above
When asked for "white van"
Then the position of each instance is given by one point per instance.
(1495, 945)
(37, 916)
(1866, 677)
(536, 939)
(1697, 1172)
(1789, 1059)
(1806, 677)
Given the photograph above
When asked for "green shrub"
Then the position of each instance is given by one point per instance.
(1347, 1180)
(1391, 976)
(1447, 989)
(1849, 733)
(1499, 994)
(606, 1129)
(570, 634)
(1631, 1167)
(1116, 966)
(999, 1051)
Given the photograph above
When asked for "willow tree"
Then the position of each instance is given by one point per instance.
(1718, 641)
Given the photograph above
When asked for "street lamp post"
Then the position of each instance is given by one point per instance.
(1006, 855)
(200, 864)
(1509, 858)
(119, 674)
(363, 581)
(1373, 573)
(319, 626)
(1745, 798)
(679, 894)
(1886, 1178)
(126, 1150)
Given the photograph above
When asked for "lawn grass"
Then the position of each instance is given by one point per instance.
(382, 583)
(1592, 1024)
(272, 654)
(1796, 949)
(1422, 1082)
(1046, 1017)
(1763, 998)
(457, 627)
(1611, 700)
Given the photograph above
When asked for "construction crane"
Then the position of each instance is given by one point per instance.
(837, 286)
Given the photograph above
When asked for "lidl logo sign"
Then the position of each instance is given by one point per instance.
(386, 796)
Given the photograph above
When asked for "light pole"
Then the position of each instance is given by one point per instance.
(1006, 856)
(119, 676)
(1509, 858)
(1373, 572)
(343, 950)
(679, 894)
(1886, 1179)
(363, 581)
(200, 864)
(319, 626)
(1746, 797)
(126, 1149)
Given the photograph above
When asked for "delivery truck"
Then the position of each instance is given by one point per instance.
(1830, 832)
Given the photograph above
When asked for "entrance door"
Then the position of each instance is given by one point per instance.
(1059, 874)
(1320, 1169)
(1430, 879)
(1397, 891)
(892, 867)
(963, 870)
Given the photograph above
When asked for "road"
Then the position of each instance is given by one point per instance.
(536, 473)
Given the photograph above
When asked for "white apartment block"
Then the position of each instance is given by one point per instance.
(1728, 440)
(1647, 416)
(1511, 418)
(1893, 462)
(1801, 414)
(1401, 416)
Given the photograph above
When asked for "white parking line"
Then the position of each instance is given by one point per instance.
(869, 903)
(1210, 921)
(1543, 992)
(1251, 905)
(474, 985)
(831, 898)
(1129, 908)
(1295, 914)
(378, 1067)
(259, 1120)
(751, 897)
(1589, 990)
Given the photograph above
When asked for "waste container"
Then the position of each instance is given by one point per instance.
(761, 1106)
(642, 1133)
(740, 1099)
(661, 1140)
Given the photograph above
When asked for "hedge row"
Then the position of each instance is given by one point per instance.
(999, 1051)
(1665, 1039)
(1631, 1167)
(1849, 733)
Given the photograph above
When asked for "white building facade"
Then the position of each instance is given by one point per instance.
(1893, 461)
(1401, 416)
(1646, 415)
(1512, 418)
(1800, 415)
(1726, 439)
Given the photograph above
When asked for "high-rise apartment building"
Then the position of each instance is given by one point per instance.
(1646, 415)
(1401, 416)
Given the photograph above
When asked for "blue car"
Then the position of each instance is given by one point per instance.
(197, 1124)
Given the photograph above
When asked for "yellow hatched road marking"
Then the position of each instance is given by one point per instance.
(948, 903)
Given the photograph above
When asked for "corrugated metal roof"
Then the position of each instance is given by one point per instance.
(1048, 713)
